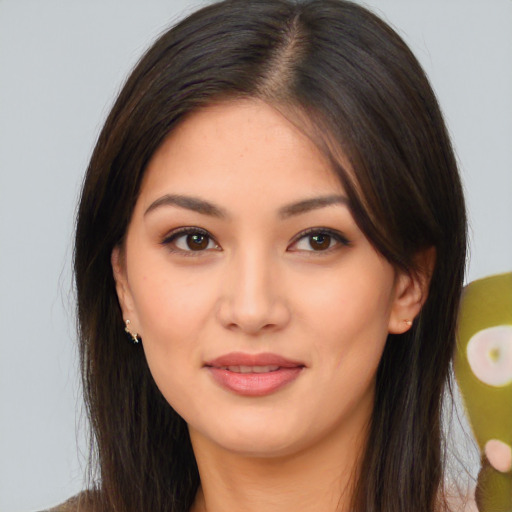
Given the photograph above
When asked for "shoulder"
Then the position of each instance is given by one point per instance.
(83, 502)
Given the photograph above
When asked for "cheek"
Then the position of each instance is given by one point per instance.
(174, 312)
(173, 309)
(351, 306)
(349, 318)
(171, 303)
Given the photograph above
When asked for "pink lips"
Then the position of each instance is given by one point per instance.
(253, 374)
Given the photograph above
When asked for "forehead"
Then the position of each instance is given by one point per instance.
(243, 147)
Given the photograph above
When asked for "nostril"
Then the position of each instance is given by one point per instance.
(252, 320)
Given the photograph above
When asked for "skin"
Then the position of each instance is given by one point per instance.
(260, 285)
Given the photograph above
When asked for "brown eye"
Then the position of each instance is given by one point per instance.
(197, 242)
(320, 241)
(190, 240)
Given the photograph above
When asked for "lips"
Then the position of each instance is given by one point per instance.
(253, 374)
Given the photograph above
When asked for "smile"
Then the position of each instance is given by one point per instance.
(250, 369)
(253, 375)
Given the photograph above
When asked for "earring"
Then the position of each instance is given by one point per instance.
(134, 335)
(408, 323)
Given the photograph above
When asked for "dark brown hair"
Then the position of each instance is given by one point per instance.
(359, 91)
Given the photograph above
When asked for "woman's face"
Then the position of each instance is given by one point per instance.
(263, 309)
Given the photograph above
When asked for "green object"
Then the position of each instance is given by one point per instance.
(483, 369)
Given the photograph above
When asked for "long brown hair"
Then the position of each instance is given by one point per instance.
(360, 91)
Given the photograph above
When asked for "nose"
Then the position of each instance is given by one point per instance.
(253, 298)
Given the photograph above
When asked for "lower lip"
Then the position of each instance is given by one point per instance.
(255, 384)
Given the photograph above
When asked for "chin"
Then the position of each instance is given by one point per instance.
(257, 443)
(255, 433)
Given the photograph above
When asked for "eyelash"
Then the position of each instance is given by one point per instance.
(333, 234)
(169, 240)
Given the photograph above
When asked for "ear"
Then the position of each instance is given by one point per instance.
(122, 288)
(411, 291)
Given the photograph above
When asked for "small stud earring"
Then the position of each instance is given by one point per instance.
(134, 335)
(408, 323)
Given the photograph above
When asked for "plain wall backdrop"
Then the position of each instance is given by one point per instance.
(61, 64)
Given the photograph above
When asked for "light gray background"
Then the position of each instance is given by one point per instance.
(61, 64)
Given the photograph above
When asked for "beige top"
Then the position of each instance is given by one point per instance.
(80, 503)
(83, 503)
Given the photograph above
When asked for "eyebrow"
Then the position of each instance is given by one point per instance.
(311, 204)
(206, 208)
(189, 203)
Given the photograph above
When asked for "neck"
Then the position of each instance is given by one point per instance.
(318, 478)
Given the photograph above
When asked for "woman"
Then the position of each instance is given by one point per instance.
(274, 216)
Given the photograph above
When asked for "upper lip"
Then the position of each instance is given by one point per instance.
(243, 359)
